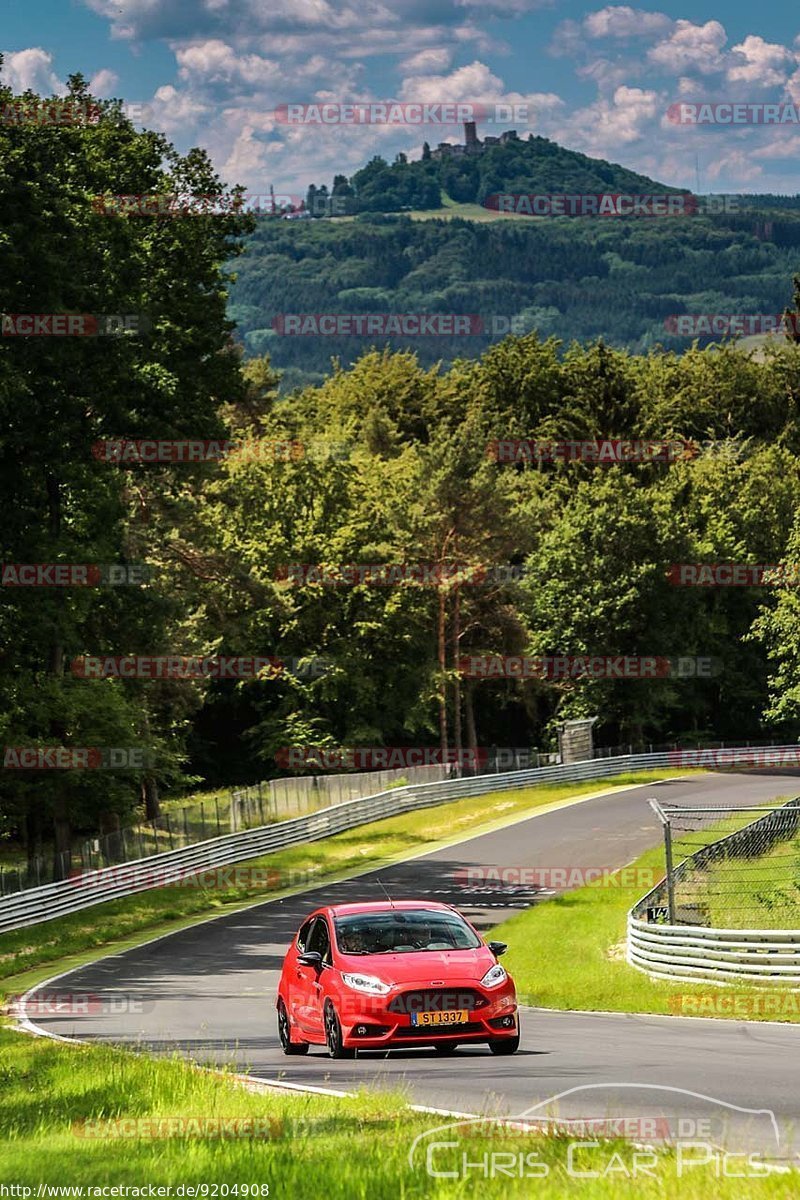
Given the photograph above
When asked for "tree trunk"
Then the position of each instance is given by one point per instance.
(110, 836)
(62, 833)
(442, 641)
(150, 792)
(32, 832)
(469, 716)
(151, 798)
(457, 685)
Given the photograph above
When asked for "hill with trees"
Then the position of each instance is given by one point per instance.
(579, 278)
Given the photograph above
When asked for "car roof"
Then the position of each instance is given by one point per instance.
(383, 906)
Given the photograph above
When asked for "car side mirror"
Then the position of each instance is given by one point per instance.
(497, 948)
(311, 958)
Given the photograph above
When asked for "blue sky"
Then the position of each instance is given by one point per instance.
(596, 78)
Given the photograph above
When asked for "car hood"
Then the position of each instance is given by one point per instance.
(422, 966)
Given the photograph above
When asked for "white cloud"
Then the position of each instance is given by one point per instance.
(503, 8)
(608, 74)
(102, 83)
(214, 62)
(784, 145)
(32, 69)
(733, 163)
(475, 83)
(175, 112)
(691, 47)
(793, 87)
(764, 64)
(621, 21)
(434, 59)
(609, 124)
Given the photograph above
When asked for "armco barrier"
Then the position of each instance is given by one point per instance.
(696, 953)
(57, 899)
(689, 954)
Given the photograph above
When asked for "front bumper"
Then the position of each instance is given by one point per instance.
(372, 1022)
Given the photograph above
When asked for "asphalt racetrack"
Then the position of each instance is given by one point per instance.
(208, 993)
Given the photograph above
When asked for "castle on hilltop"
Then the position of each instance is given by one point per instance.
(472, 143)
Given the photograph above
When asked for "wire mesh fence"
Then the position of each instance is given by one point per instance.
(730, 868)
(641, 747)
(237, 809)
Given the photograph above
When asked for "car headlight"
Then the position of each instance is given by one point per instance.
(366, 983)
(494, 976)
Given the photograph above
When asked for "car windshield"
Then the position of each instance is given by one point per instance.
(398, 931)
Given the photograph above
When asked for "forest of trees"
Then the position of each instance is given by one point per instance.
(619, 278)
(399, 473)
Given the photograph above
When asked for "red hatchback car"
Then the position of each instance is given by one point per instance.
(388, 974)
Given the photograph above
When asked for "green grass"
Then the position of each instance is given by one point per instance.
(354, 1148)
(739, 892)
(754, 893)
(468, 211)
(118, 924)
(569, 953)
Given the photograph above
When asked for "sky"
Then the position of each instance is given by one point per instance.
(600, 80)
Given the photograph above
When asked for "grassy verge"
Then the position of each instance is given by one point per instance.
(55, 1100)
(752, 893)
(739, 891)
(67, 941)
(569, 953)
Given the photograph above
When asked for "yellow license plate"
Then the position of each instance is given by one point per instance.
(456, 1016)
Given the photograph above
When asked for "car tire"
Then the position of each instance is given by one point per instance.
(333, 1035)
(507, 1045)
(285, 1034)
(446, 1048)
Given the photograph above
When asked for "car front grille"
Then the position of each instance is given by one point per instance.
(425, 1032)
(437, 1000)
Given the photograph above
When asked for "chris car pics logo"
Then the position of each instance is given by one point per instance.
(578, 1133)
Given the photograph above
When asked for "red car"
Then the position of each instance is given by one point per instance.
(388, 974)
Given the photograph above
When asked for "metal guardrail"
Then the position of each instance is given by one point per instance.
(245, 807)
(697, 953)
(111, 883)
